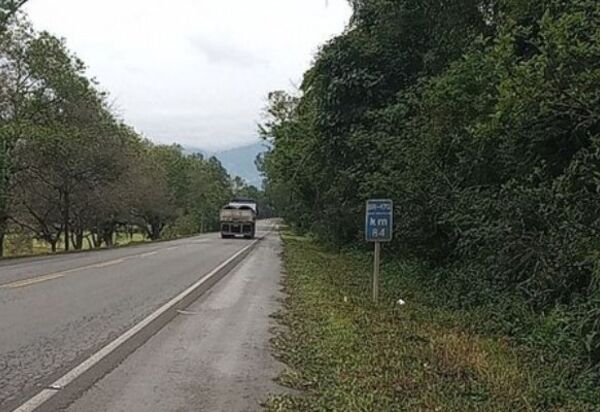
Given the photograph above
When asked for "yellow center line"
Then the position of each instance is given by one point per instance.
(107, 264)
(32, 281)
(149, 254)
(51, 276)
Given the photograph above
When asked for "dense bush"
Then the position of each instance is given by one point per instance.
(482, 121)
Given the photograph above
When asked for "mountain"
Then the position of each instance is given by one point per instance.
(238, 161)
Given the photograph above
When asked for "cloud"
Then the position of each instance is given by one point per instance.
(194, 72)
(224, 52)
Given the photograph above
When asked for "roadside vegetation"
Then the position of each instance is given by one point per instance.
(344, 353)
(481, 120)
(16, 245)
(73, 175)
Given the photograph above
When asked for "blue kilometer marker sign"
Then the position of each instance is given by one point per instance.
(379, 222)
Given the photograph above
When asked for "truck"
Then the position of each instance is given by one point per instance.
(238, 218)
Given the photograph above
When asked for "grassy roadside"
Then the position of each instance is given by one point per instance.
(122, 241)
(346, 354)
(34, 247)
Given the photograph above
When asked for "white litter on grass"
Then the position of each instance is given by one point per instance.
(401, 302)
(345, 299)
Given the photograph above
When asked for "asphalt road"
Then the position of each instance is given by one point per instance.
(56, 311)
(214, 356)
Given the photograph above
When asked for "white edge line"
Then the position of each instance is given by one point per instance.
(39, 399)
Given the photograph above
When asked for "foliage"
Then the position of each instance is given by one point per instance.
(8, 8)
(70, 170)
(344, 353)
(481, 121)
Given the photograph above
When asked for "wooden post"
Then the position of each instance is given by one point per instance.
(376, 272)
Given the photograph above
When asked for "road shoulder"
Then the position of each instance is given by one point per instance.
(215, 356)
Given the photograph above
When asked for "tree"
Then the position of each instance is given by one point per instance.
(8, 9)
(80, 143)
(17, 88)
(153, 200)
(480, 119)
(68, 141)
(71, 170)
(36, 205)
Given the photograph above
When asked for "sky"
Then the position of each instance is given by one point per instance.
(193, 72)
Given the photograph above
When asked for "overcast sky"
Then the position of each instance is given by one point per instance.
(195, 72)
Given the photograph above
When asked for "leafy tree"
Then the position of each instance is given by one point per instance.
(71, 170)
(16, 89)
(153, 199)
(8, 9)
(480, 119)
(75, 149)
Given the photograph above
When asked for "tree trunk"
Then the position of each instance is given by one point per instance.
(96, 239)
(90, 242)
(155, 229)
(78, 242)
(107, 236)
(66, 204)
(2, 235)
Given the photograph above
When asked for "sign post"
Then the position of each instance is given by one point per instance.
(376, 272)
(379, 223)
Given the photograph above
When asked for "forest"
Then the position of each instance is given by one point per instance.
(72, 173)
(481, 120)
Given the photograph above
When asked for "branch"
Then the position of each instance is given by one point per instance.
(9, 9)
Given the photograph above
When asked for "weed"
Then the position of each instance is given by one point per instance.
(346, 354)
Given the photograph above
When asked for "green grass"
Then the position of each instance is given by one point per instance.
(345, 354)
(16, 245)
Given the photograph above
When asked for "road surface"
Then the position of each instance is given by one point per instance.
(215, 356)
(56, 311)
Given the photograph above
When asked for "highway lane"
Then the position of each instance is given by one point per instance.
(56, 311)
(17, 269)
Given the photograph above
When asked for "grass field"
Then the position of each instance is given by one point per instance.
(344, 353)
(16, 245)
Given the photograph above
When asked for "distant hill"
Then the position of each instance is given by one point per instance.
(238, 161)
